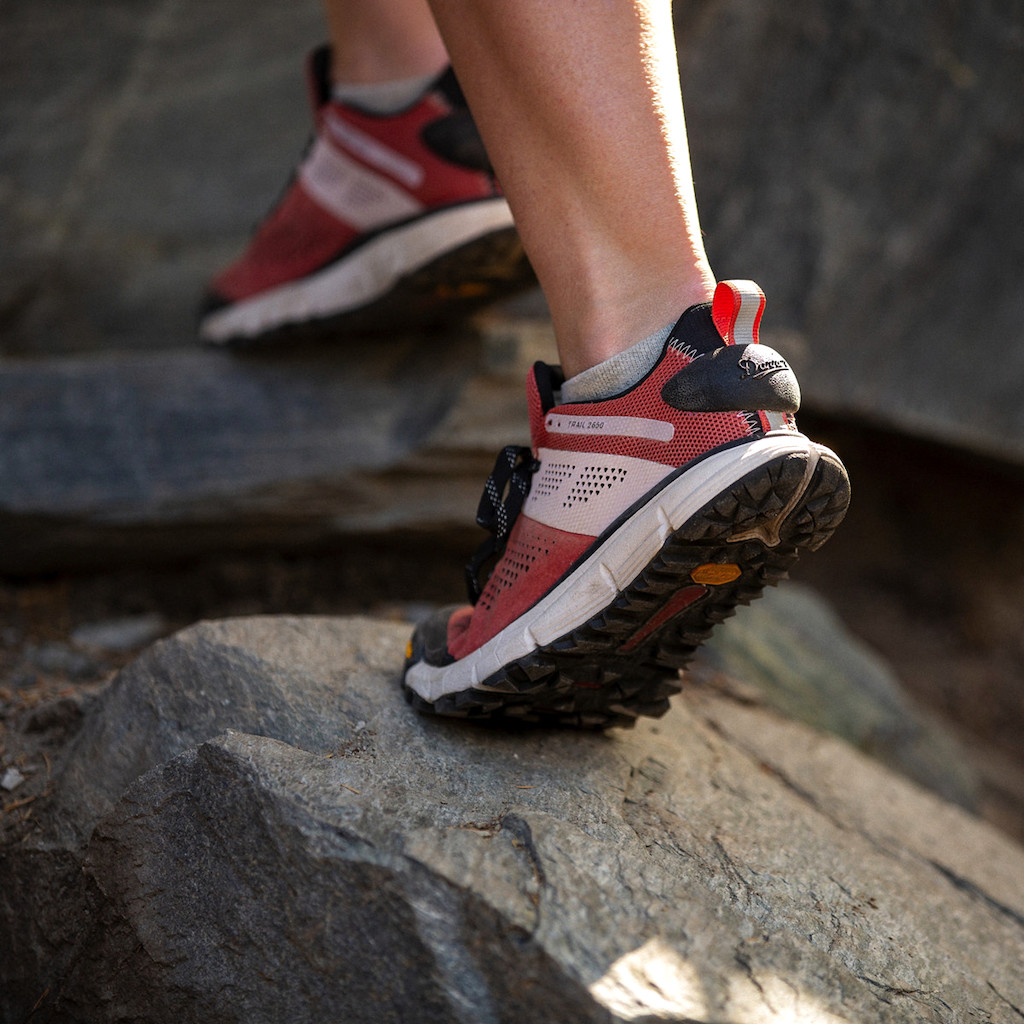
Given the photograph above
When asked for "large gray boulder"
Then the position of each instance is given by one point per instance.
(251, 825)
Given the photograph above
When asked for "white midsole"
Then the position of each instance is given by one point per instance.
(370, 272)
(619, 560)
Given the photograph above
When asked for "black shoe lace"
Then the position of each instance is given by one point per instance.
(500, 504)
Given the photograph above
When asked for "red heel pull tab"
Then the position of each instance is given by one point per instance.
(736, 310)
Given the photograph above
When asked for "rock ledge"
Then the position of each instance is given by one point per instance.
(251, 825)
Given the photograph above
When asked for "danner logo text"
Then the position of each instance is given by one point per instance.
(755, 368)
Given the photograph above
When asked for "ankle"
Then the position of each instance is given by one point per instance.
(592, 333)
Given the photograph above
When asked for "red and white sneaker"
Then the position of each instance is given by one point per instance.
(389, 222)
(630, 528)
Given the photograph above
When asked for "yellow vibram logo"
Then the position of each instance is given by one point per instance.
(712, 574)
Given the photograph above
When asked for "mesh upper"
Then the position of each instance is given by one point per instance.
(588, 476)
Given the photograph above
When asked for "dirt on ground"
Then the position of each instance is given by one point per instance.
(928, 569)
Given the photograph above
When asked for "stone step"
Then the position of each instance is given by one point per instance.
(134, 456)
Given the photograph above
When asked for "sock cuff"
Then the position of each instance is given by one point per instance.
(383, 98)
(617, 373)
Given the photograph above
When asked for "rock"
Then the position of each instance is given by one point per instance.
(860, 159)
(57, 718)
(803, 661)
(55, 657)
(112, 459)
(862, 162)
(128, 178)
(251, 825)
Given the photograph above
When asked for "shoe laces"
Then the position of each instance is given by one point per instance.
(504, 493)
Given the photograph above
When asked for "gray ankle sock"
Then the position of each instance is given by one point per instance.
(618, 373)
(383, 98)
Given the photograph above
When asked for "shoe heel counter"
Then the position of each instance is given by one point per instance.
(455, 138)
(735, 378)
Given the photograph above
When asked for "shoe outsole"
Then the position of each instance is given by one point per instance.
(624, 662)
(450, 288)
(438, 294)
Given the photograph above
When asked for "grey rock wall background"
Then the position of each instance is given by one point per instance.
(139, 139)
(862, 160)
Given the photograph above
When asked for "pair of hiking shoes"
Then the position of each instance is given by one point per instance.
(632, 525)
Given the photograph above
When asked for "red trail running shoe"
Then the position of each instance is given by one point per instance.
(389, 222)
(629, 529)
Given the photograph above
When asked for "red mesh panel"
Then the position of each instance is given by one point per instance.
(536, 557)
(297, 239)
(442, 182)
(695, 432)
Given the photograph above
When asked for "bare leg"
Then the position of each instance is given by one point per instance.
(381, 40)
(580, 109)
(647, 508)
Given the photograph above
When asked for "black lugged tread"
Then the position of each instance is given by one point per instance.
(562, 684)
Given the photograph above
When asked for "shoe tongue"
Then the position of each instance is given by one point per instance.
(318, 77)
(454, 136)
(548, 379)
(695, 332)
